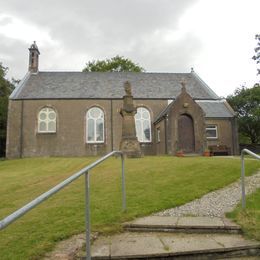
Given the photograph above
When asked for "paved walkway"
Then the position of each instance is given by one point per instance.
(162, 245)
(209, 211)
(216, 203)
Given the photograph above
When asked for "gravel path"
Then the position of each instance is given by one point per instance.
(216, 203)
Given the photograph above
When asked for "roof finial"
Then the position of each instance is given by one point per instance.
(128, 88)
(183, 83)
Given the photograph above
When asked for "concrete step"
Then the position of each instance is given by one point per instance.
(149, 245)
(183, 224)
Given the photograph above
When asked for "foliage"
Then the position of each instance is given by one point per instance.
(152, 184)
(115, 64)
(6, 88)
(256, 57)
(249, 219)
(246, 103)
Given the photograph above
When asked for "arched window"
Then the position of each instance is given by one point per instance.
(143, 125)
(47, 120)
(95, 125)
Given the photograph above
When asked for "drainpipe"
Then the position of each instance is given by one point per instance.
(21, 131)
(235, 136)
(111, 119)
(166, 133)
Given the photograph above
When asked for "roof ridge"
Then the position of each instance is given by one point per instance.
(115, 72)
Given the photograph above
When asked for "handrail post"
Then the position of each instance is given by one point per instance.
(18, 213)
(88, 231)
(123, 182)
(243, 180)
(243, 173)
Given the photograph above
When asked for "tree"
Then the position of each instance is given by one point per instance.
(256, 57)
(115, 64)
(246, 103)
(6, 88)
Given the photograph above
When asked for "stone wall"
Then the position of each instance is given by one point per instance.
(225, 133)
(160, 145)
(23, 139)
(184, 104)
(70, 138)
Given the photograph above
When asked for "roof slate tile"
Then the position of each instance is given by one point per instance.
(70, 85)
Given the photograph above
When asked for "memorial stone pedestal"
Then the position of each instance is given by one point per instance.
(129, 145)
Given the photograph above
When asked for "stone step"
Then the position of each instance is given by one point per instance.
(149, 245)
(183, 224)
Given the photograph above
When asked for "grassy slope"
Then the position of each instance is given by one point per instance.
(153, 184)
(249, 219)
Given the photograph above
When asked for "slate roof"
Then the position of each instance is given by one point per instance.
(211, 108)
(107, 85)
(216, 109)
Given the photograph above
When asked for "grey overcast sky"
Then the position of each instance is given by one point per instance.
(215, 37)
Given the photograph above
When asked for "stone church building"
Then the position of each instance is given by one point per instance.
(78, 113)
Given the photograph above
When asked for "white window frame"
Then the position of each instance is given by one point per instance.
(88, 116)
(212, 127)
(47, 120)
(142, 139)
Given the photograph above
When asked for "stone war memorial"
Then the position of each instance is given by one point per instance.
(90, 113)
(129, 144)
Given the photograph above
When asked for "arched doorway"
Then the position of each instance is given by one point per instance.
(186, 138)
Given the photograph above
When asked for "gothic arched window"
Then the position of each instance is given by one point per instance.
(47, 120)
(95, 125)
(143, 125)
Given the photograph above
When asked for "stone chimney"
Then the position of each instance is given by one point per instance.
(33, 58)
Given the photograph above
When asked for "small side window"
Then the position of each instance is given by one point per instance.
(47, 120)
(211, 132)
(158, 130)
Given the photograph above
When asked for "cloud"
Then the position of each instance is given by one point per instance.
(74, 32)
(14, 56)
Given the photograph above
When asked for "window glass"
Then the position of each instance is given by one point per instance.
(211, 132)
(52, 116)
(90, 129)
(138, 115)
(146, 128)
(95, 125)
(100, 128)
(145, 114)
(95, 112)
(42, 116)
(143, 125)
(47, 120)
(52, 127)
(42, 127)
(138, 129)
(158, 134)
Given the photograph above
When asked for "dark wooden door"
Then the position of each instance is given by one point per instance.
(186, 134)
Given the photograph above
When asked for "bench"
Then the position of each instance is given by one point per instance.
(219, 150)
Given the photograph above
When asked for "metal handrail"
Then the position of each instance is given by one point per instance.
(243, 173)
(20, 212)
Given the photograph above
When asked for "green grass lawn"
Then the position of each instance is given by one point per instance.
(249, 219)
(152, 184)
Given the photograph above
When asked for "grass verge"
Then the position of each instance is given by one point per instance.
(152, 184)
(249, 219)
